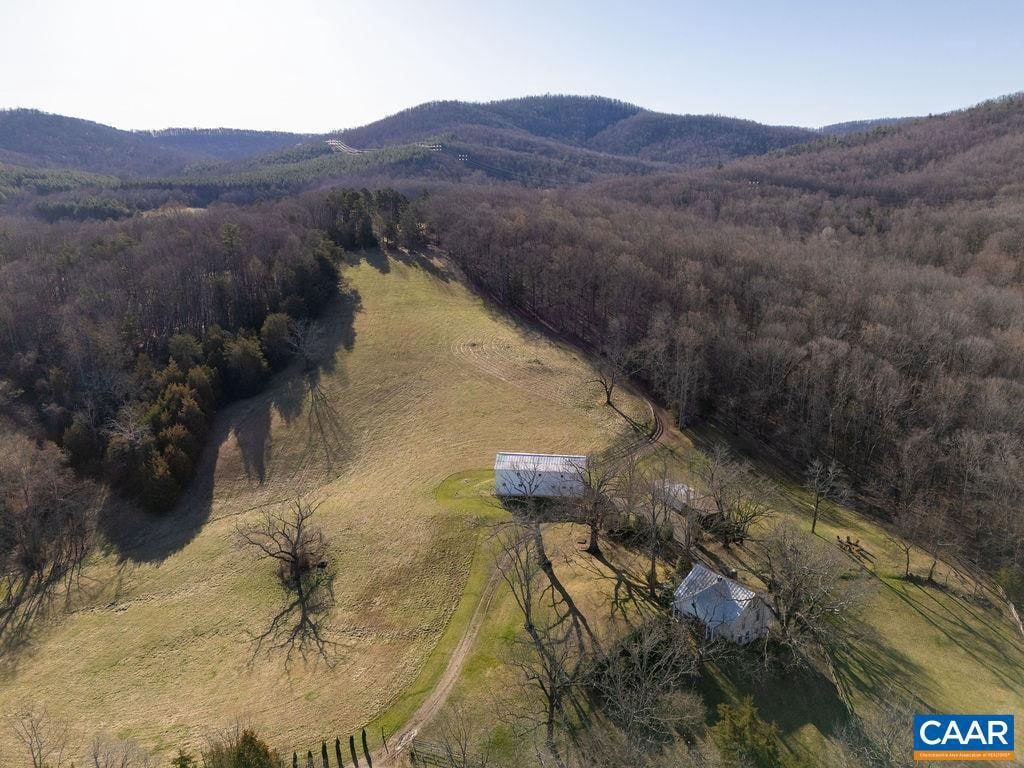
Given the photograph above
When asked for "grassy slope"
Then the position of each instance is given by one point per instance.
(157, 649)
(953, 654)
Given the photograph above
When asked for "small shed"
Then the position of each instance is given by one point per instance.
(680, 496)
(684, 498)
(725, 607)
(539, 474)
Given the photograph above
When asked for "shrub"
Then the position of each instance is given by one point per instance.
(744, 739)
(241, 750)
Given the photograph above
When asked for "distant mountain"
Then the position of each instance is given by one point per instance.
(31, 138)
(537, 141)
(970, 154)
(590, 123)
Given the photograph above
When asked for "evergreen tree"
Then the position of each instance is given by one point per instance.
(366, 750)
(744, 739)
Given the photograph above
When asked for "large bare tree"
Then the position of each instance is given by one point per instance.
(740, 497)
(598, 478)
(813, 590)
(298, 548)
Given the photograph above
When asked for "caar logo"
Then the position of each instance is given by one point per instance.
(963, 737)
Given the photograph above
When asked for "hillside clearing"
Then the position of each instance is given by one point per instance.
(157, 647)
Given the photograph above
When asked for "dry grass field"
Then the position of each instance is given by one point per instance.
(157, 646)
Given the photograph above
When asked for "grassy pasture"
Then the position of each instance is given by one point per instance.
(425, 381)
(932, 641)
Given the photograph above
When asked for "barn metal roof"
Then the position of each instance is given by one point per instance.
(539, 462)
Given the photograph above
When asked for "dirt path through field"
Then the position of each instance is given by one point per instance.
(431, 707)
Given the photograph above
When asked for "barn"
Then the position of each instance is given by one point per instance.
(539, 474)
(725, 607)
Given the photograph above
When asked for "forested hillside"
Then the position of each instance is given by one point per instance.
(208, 304)
(32, 138)
(859, 301)
(225, 143)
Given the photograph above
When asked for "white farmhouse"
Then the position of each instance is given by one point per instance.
(539, 474)
(727, 608)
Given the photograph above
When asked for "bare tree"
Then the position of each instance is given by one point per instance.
(299, 549)
(740, 499)
(549, 658)
(108, 752)
(597, 477)
(639, 681)
(811, 590)
(550, 663)
(615, 360)
(646, 492)
(42, 736)
(519, 565)
(824, 482)
(293, 542)
(880, 739)
(461, 747)
(306, 340)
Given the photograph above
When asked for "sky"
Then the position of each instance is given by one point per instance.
(319, 65)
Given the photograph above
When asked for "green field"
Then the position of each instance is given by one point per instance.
(156, 646)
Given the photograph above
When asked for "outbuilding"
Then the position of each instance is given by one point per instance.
(725, 607)
(539, 474)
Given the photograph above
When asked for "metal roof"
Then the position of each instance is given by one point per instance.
(539, 462)
(711, 597)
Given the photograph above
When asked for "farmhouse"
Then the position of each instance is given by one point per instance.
(727, 608)
(538, 474)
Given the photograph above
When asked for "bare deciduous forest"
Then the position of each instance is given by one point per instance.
(856, 300)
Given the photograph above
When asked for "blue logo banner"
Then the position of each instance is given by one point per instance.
(963, 737)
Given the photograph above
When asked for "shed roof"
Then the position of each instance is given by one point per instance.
(680, 495)
(539, 462)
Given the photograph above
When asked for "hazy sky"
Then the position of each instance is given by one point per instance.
(315, 65)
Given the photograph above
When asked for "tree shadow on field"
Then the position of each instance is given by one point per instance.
(139, 536)
(301, 628)
(866, 664)
(381, 258)
(792, 698)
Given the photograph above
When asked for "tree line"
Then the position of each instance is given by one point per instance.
(887, 338)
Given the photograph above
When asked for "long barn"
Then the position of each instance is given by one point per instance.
(539, 474)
